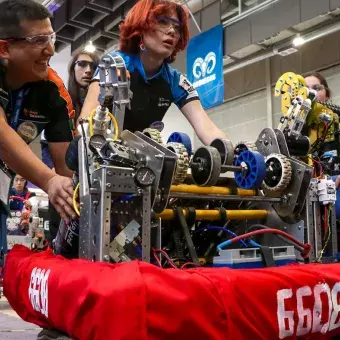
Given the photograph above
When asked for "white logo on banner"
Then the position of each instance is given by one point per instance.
(38, 290)
(203, 68)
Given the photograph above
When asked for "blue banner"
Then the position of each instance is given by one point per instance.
(205, 66)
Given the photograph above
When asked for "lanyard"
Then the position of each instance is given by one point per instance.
(16, 109)
(21, 198)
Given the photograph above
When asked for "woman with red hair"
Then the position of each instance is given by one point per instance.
(152, 34)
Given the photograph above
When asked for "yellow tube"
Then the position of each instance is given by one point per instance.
(115, 125)
(194, 189)
(113, 119)
(75, 194)
(310, 160)
(213, 215)
(91, 122)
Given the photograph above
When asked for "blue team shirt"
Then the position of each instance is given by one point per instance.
(153, 96)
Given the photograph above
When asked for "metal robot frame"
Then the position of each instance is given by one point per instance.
(128, 179)
(135, 165)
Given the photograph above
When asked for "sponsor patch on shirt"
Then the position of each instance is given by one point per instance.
(33, 114)
(185, 84)
(164, 102)
(28, 131)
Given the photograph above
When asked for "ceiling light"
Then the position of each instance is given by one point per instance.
(90, 47)
(283, 52)
(298, 41)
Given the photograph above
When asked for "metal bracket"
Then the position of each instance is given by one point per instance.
(168, 171)
(267, 142)
(282, 142)
(295, 193)
(146, 224)
(114, 86)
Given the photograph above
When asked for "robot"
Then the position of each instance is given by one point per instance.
(164, 203)
(251, 205)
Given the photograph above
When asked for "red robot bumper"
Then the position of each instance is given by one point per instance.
(136, 300)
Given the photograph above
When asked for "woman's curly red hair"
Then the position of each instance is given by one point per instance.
(142, 18)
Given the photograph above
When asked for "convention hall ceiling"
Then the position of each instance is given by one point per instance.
(78, 21)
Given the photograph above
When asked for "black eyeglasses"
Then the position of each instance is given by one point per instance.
(40, 41)
(86, 63)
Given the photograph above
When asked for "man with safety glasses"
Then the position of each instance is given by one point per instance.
(32, 99)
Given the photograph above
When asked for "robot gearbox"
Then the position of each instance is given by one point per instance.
(157, 219)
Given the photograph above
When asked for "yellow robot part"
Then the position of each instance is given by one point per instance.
(290, 85)
(303, 93)
(317, 125)
(289, 81)
(302, 80)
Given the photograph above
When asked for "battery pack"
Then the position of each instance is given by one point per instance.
(252, 258)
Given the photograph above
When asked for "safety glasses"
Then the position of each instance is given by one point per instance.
(317, 87)
(19, 180)
(40, 41)
(85, 64)
(165, 23)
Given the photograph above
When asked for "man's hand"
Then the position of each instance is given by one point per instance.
(337, 182)
(60, 193)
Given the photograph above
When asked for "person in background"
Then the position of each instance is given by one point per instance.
(81, 70)
(20, 189)
(151, 36)
(24, 202)
(316, 81)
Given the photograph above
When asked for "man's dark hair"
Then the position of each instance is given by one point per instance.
(13, 12)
